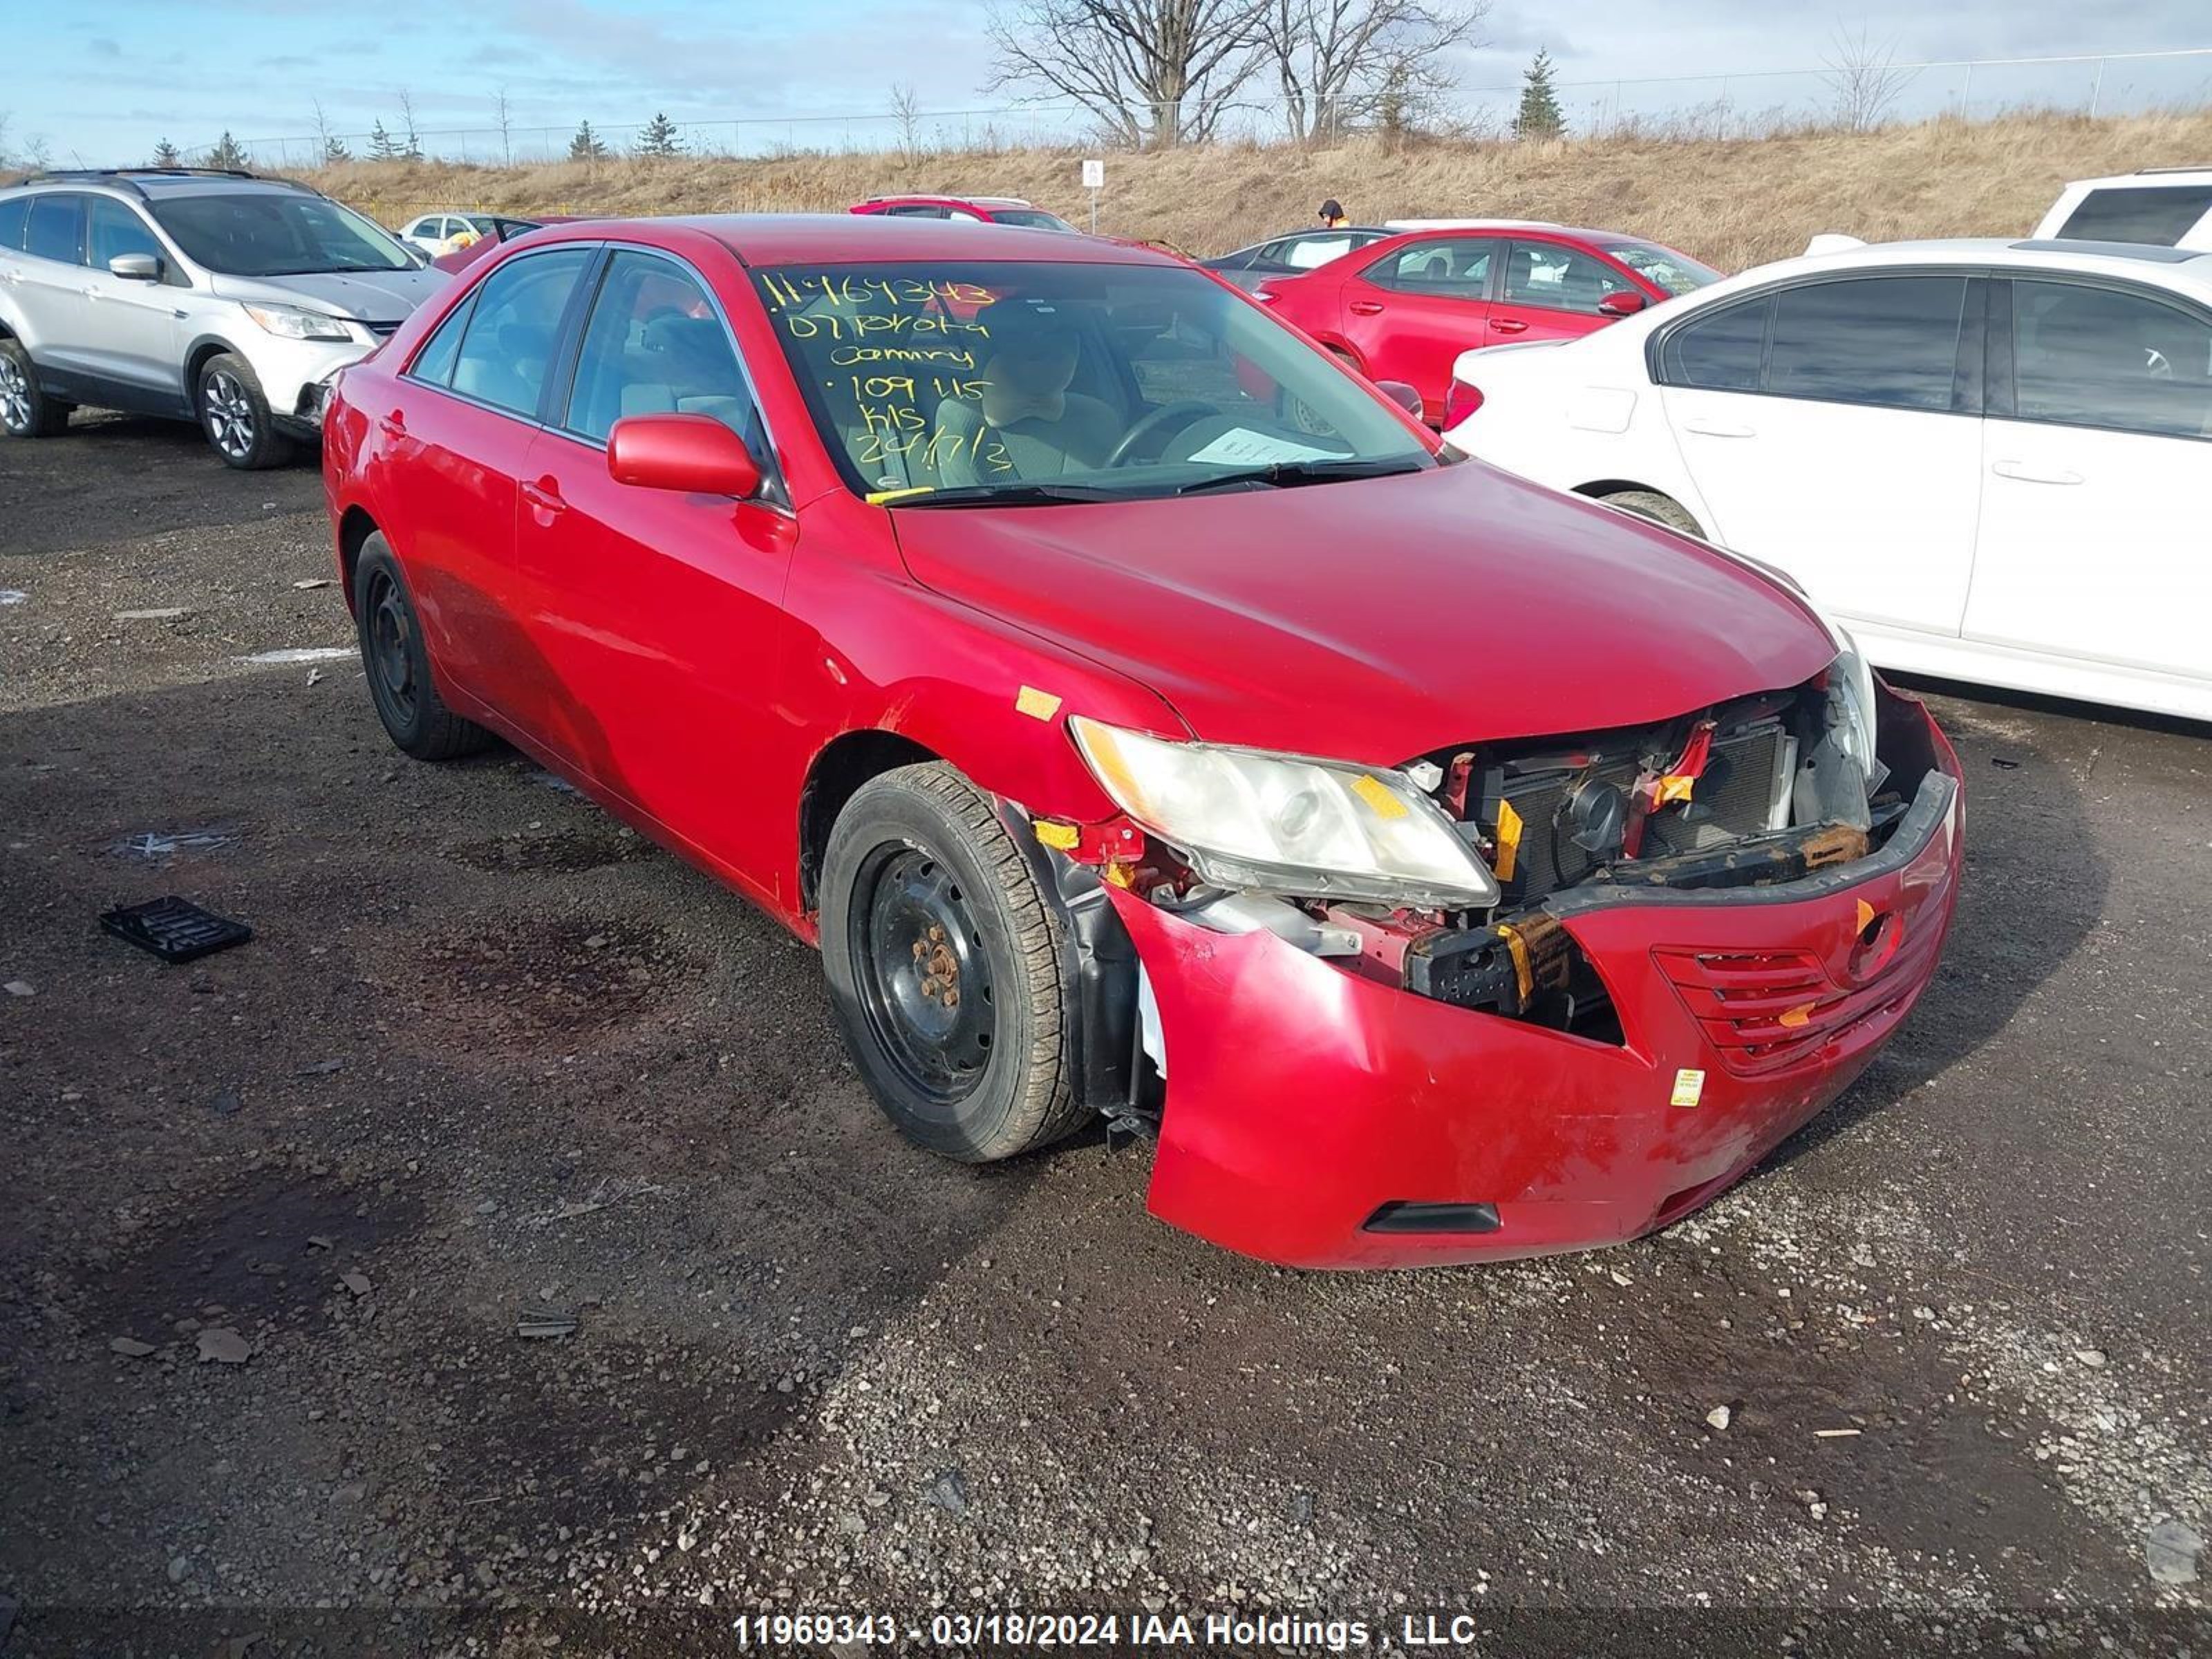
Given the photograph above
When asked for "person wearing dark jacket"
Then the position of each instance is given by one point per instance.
(1331, 214)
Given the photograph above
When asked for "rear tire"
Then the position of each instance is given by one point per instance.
(943, 961)
(25, 412)
(397, 664)
(234, 416)
(1660, 509)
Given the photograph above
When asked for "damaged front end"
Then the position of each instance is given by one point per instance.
(1520, 882)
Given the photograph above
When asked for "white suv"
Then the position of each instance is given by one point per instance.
(1988, 459)
(213, 297)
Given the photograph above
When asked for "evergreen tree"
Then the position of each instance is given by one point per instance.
(335, 149)
(657, 139)
(381, 147)
(166, 155)
(227, 152)
(1539, 116)
(586, 145)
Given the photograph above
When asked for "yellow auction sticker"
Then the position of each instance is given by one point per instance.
(1689, 1088)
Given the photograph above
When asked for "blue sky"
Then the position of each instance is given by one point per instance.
(99, 81)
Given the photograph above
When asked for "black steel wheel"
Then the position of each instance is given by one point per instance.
(945, 967)
(397, 666)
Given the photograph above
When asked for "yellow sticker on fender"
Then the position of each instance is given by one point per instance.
(1377, 794)
(1038, 705)
(1061, 835)
(1689, 1089)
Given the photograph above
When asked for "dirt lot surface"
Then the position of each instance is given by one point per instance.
(489, 1058)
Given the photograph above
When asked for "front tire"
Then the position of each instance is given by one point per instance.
(25, 411)
(944, 961)
(234, 414)
(397, 664)
(1660, 509)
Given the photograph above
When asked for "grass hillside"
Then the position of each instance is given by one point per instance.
(1730, 201)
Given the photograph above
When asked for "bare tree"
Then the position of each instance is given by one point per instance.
(410, 141)
(506, 119)
(1154, 72)
(905, 110)
(329, 148)
(1341, 62)
(1863, 79)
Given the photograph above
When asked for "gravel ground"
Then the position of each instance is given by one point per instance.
(493, 1066)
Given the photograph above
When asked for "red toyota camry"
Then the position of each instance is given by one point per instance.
(1404, 308)
(1148, 719)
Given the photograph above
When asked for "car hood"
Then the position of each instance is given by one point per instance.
(1380, 619)
(370, 296)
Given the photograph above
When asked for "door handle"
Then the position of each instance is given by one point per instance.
(1508, 326)
(545, 495)
(2026, 474)
(1366, 307)
(1718, 429)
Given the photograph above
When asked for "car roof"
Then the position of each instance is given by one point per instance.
(2164, 267)
(778, 239)
(2113, 258)
(2146, 178)
(976, 201)
(161, 183)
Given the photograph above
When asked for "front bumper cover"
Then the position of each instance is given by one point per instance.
(1302, 1099)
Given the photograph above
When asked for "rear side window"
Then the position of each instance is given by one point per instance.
(434, 363)
(1720, 351)
(1888, 341)
(2161, 214)
(1457, 269)
(114, 229)
(2095, 356)
(655, 346)
(57, 228)
(507, 349)
(12, 215)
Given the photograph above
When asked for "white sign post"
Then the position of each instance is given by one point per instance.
(1094, 180)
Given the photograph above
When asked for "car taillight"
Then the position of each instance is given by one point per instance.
(1462, 401)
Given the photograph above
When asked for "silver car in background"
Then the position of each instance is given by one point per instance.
(209, 296)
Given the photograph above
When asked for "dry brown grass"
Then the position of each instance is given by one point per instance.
(1730, 201)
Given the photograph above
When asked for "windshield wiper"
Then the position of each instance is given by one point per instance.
(1030, 494)
(1284, 474)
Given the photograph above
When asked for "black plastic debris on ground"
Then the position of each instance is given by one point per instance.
(174, 929)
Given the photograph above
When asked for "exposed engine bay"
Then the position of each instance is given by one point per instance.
(1760, 791)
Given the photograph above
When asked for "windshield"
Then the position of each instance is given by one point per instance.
(1030, 219)
(277, 233)
(1678, 273)
(1036, 381)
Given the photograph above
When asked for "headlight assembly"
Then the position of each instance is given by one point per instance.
(1852, 718)
(1285, 824)
(297, 323)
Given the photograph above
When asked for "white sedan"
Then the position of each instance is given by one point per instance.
(1991, 460)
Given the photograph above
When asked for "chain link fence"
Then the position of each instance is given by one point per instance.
(1739, 104)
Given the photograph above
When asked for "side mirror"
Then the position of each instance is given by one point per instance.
(1625, 303)
(692, 452)
(1407, 396)
(136, 267)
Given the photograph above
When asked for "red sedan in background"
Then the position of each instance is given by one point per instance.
(1404, 308)
(1044, 632)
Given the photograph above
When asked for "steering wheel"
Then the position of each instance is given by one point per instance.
(1188, 409)
(2157, 363)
